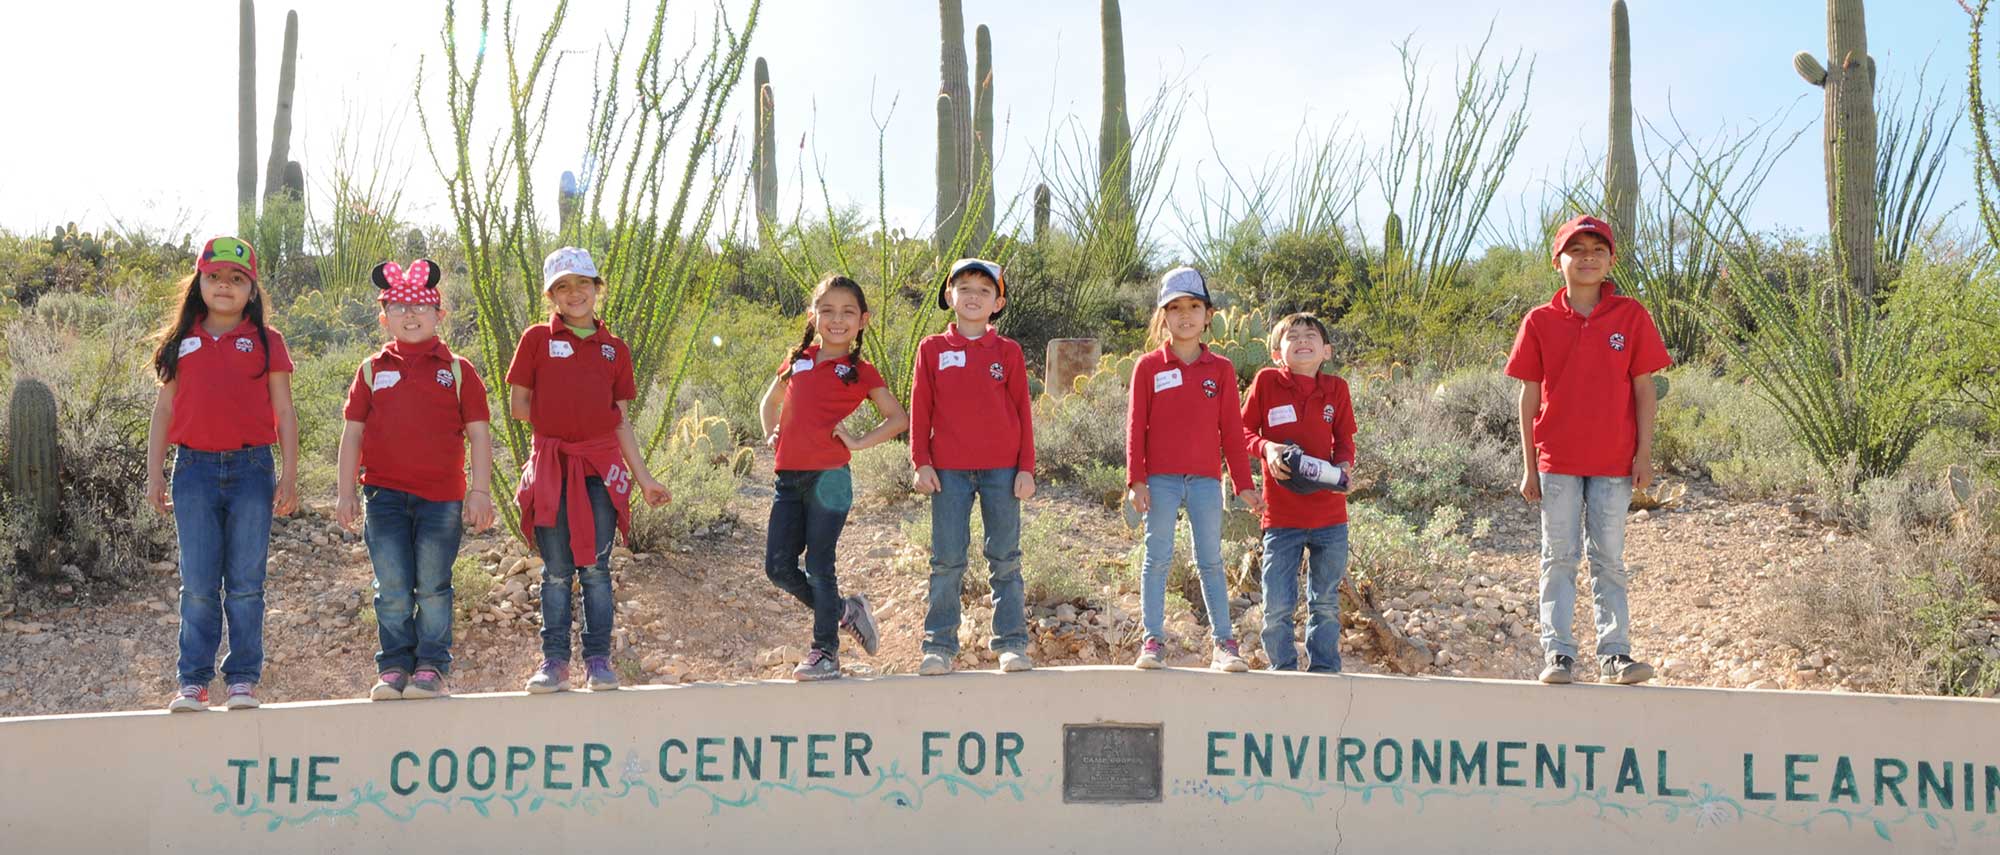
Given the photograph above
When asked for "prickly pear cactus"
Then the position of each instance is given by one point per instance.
(33, 466)
(703, 437)
(741, 462)
(1661, 387)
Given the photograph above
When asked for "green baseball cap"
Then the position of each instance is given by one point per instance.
(226, 252)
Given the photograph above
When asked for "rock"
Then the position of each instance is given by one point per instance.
(780, 655)
(1703, 601)
(1066, 613)
(1759, 684)
(1673, 668)
(1641, 515)
(1742, 675)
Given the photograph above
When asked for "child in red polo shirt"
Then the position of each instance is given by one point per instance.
(1183, 423)
(819, 386)
(571, 379)
(1585, 362)
(410, 410)
(973, 434)
(1294, 417)
(225, 397)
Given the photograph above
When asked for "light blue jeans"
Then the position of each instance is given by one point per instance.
(1203, 499)
(1283, 549)
(951, 539)
(1579, 515)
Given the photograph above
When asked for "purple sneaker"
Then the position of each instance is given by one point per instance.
(603, 678)
(242, 696)
(818, 665)
(1152, 655)
(859, 621)
(427, 682)
(551, 676)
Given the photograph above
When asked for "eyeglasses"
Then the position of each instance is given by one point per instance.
(407, 308)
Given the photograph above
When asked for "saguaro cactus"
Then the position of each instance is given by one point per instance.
(569, 200)
(1392, 238)
(246, 113)
(954, 151)
(764, 160)
(1042, 207)
(982, 132)
(1848, 131)
(1621, 162)
(33, 470)
(281, 116)
(1114, 126)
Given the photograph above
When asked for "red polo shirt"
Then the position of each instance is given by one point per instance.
(1314, 413)
(577, 382)
(222, 395)
(969, 405)
(1184, 419)
(413, 419)
(816, 401)
(1588, 424)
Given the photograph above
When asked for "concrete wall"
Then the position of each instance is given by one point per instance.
(1258, 762)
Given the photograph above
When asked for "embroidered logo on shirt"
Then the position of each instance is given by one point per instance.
(444, 377)
(244, 345)
(843, 369)
(1281, 416)
(1208, 387)
(997, 372)
(1327, 414)
(190, 345)
(1166, 380)
(1618, 341)
(951, 359)
(610, 353)
(560, 349)
(385, 379)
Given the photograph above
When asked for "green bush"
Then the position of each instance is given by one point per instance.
(740, 348)
(1401, 557)
(1103, 483)
(1050, 570)
(1410, 448)
(1076, 431)
(1482, 402)
(470, 586)
(882, 473)
(319, 395)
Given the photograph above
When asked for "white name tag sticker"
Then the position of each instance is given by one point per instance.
(385, 379)
(1281, 416)
(951, 359)
(190, 345)
(560, 349)
(1166, 380)
(802, 366)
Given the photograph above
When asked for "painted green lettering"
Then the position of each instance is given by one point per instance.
(1216, 739)
(1295, 755)
(314, 778)
(666, 774)
(272, 779)
(1992, 788)
(747, 755)
(243, 768)
(1589, 753)
(1551, 768)
(1463, 765)
(978, 765)
(816, 755)
(1255, 755)
(1503, 764)
(702, 759)
(521, 758)
(1421, 759)
(472, 768)
(1843, 781)
(1794, 777)
(1750, 781)
(1665, 790)
(855, 752)
(784, 744)
(1891, 782)
(396, 773)
(929, 752)
(1628, 774)
(596, 756)
(1930, 783)
(550, 767)
(1388, 774)
(436, 760)
(1007, 747)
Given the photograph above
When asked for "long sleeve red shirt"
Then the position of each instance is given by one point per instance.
(1184, 419)
(1317, 415)
(969, 407)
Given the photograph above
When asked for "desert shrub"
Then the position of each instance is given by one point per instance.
(1417, 457)
(1103, 483)
(702, 484)
(882, 473)
(470, 586)
(319, 395)
(739, 350)
(1482, 402)
(1398, 556)
(1086, 427)
(1050, 571)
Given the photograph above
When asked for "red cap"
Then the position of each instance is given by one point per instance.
(227, 252)
(1585, 224)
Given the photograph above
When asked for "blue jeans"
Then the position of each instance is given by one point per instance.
(412, 542)
(951, 538)
(1203, 499)
(559, 569)
(222, 518)
(806, 519)
(1283, 547)
(1580, 514)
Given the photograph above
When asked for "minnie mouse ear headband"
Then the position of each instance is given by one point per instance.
(415, 285)
(976, 265)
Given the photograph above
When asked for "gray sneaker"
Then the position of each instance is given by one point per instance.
(1151, 656)
(1624, 670)
(1558, 671)
(1014, 660)
(551, 676)
(1228, 658)
(818, 665)
(859, 621)
(934, 665)
(603, 678)
(427, 682)
(242, 696)
(389, 686)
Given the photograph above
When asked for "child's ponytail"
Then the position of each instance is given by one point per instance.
(854, 359)
(799, 352)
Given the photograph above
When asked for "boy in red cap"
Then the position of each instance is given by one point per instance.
(1585, 362)
(410, 410)
(972, 434)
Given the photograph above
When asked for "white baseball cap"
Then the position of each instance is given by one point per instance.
(1183, 282)
(565, 261)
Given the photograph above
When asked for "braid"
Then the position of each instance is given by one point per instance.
(854, 359)
(799, 352)
(255, 311)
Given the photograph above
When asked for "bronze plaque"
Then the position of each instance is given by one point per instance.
(1111, 763)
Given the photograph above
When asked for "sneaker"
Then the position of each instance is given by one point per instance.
(1228, 658)
(1014, 660)
(603, 678)
(1624, 670)
(389, 686)
(242, 696)
(934, 665)
(551, 676)
(859, 621)
(818, 665)
(426, 683)
(191, 698)
(1152, 655)
(1558, 670)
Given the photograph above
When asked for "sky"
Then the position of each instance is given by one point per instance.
(137, 126)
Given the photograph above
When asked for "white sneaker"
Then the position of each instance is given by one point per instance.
(934, 665)
(1228, 659)
(242, 696)
(1011, 661)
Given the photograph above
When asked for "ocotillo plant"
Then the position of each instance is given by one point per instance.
(281, 117)
(1114, 125)
(1621, 161)
(764, 155)
(1985, 165)
(954, 144)
(1848, 77)
(982, 132)
(246, 113)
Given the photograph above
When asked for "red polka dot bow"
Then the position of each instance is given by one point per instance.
(415, 285)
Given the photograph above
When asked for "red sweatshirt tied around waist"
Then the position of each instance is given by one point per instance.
(554, 464)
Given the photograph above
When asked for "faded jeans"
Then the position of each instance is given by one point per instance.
(560, 569)
(951, 539)
(1203, 499)
(222, 517)
(1584, 515)
(1283, 549)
